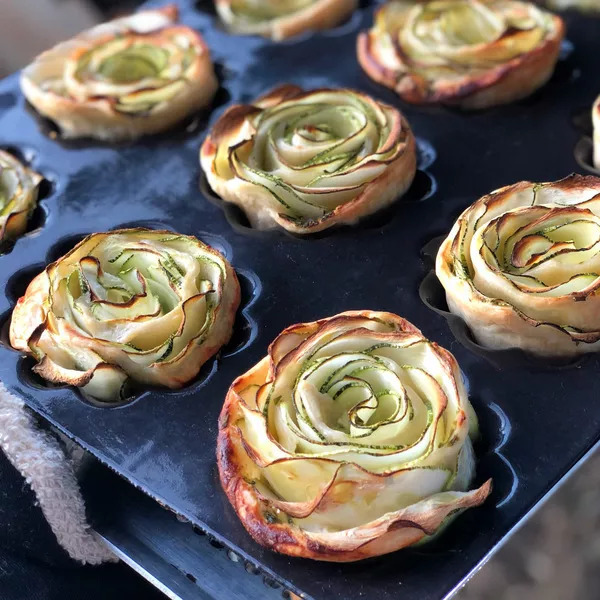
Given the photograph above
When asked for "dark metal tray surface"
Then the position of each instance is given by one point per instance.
(537, 423)
(182, 561)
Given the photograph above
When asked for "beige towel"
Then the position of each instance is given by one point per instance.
(49, 473)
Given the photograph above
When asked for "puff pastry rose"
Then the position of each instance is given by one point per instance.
(280, 19)
(522, 267)
(135, 75)
(469, 53)
(307, 160)
(351, 439)
(143, 304)
(18, 196)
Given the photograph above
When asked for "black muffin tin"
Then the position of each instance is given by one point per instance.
(537, 422)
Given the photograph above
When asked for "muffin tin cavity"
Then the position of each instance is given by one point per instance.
(30, 378)
(422, 188)
(584, 155)
(495, 428)
(426, 154)
(245, 327)
(348, 25)
(4, 330)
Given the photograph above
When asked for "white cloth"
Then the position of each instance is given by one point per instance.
(49, 473)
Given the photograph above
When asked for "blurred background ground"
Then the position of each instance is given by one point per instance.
(28, 27)
(556, 556)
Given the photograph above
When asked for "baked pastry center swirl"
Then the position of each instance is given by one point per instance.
(138, 71)
(351, 439)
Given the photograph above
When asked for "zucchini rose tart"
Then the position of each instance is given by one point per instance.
(280, 19)
(468, 53)
(129, 77)
(19, 187)
(307, 160)
(351, 439)
(148, 305)
(522, 267)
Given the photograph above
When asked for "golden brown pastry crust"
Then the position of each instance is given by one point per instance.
(96, 339)
(512, 312)
(365, 184)
(498, 83)
(332, 483)
(320, 14)
(51, 84)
